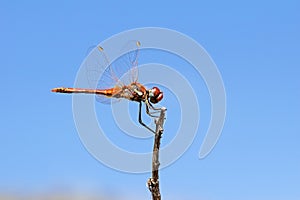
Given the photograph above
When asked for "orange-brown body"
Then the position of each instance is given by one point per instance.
(135, 91)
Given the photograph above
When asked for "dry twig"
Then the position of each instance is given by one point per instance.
(153, 182)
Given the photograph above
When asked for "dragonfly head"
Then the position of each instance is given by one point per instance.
(155, 95)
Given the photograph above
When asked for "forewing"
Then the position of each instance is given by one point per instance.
(126, 65)
(102, 74)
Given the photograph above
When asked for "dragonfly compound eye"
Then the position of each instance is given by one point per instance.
(155, 95)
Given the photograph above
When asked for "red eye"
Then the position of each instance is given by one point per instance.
(157, 95)
(156, 91)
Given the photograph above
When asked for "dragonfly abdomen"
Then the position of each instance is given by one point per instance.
(107, 92)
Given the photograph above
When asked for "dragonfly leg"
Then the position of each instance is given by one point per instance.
(140, 119)
(151, 114)
(150, 106)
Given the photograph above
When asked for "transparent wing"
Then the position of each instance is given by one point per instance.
(103, 74)
(126, 65)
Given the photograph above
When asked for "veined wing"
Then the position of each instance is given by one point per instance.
(126, 65)
(104, 74)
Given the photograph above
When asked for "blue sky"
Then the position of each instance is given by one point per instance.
(255, 46)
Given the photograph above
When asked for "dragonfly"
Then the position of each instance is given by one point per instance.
(119, 80)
